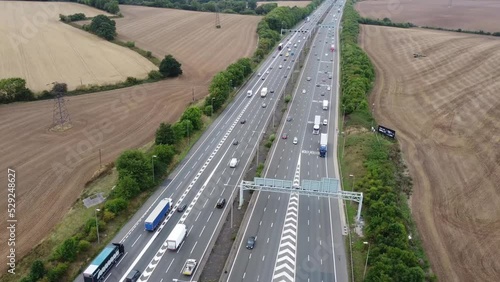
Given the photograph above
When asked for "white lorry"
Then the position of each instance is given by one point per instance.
(263, 92)
(249, 93)
(176, 237)
(189, 267)
(325, 104)
(317, 121)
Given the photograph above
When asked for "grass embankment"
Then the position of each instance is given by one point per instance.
(372, 164)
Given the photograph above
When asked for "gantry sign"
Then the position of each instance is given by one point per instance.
(326, 187)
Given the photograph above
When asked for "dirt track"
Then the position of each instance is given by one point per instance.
(446, 110)
(52, 167)
(452, 14)
(41, 49)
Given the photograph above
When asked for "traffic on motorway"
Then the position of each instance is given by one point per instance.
(172, 234)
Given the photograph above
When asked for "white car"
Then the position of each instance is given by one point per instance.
(280, 66)
(259, 74)
(303, 91)
(288, 67)
(328, 88)
(325, 122)
(308, 78)
(295, 140)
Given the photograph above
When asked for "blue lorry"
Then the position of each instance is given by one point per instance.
(323, 145)
(156, 216)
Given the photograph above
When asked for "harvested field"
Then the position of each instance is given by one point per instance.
(451, 14)
(445, 108)
(41, 49)
(53, 167)
(286, 3)
(191, 37)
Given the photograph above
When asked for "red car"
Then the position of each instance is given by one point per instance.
(284, 136)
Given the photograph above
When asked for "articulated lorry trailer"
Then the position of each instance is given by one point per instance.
(155, 217)
(103, 263)
(176, 237)
(317, 121)
(323, 145)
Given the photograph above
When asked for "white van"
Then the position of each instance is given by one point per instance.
(233, 163)
(249, 93)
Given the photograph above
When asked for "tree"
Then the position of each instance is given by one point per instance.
(165, 134)
(116, 205)
(55, 274)
(165, 153)
(193, 114)
(135, 164)
(67, 250)
(170, 67)
(37, 270)
(127, 187)
(252, 4)
(14, 89)
(103, 27)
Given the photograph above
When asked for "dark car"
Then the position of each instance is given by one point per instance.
(284, 136)
(251, 243)
(181, 208)
(220, 203)
(289, 118)
(243, 121)
(272, 91)
(133, 276)
(235, 142)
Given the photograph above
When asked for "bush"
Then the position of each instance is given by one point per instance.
(116, 205)
(57, 273)
(155, 75)
(288, 98)
(66, 252)
(108, 216)
(131, 81)
(37, 270)
(83, 246)
(130, 44)
(149, 54)
(92, 235)
(14, 89)
(165, 134)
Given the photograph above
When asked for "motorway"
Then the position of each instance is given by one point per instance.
(204, 176)
(299, 238)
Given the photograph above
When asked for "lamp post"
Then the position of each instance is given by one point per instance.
(353, 177)
(153, 166)
(367, 254)
(97, 224)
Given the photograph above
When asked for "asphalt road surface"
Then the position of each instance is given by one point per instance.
(204, 177)
(300, 238)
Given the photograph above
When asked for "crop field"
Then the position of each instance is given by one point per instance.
(41, 49)
(53, 167)
(190, 36)
(445, 108)
(286, 3)
(451, 14)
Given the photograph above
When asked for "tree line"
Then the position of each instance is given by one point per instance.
(393, 256)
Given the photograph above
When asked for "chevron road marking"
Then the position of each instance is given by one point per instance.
(284, 269)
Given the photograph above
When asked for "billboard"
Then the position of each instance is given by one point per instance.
(387, 131)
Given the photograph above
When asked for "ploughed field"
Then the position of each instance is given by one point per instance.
(451, 14)
(38, 47)
(445, 108)
(52, 167)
